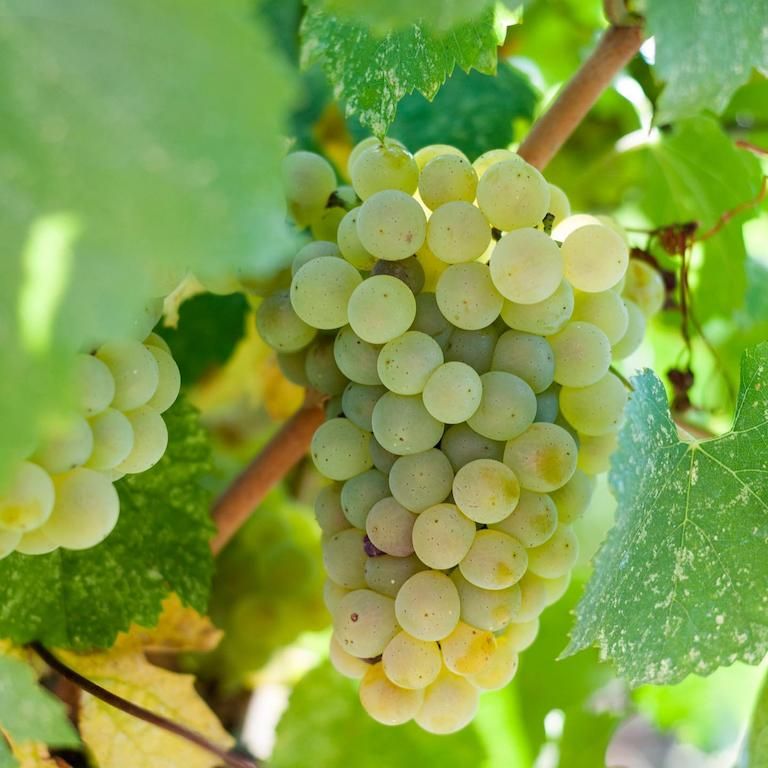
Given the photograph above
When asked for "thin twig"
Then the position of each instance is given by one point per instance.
(616, 47)
(235, 761)
(748, 145)
(740, 208)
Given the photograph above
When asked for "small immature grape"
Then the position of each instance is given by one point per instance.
(410, 662)
(582, 354)
(381, 308)
(449, 704)
(442, 536)
(386, 702)
(340, 449)
(453, 392)
(384, 167)
(28, 500)
(595, 409)
(467, 297)
(557, 556)
(507, 407)
(595, 258)
(406, 363)
(427, 606)
(458, 232)
(543, 457)
(421, 480)
(486, 491)
(533, 520)
(391, 225)
(344, 558)
(309, 181)
(321, 289)
(364, 622)
(513, 194)
(494, 561)
(543, 318)
(389, 526)
(360, 493)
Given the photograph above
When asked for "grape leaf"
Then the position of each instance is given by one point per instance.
(585, 739)
(160, 545)
(681, 583)
(757, 742)
(372, 74)
(705, 49)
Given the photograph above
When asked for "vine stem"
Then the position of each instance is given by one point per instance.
(615, 49)
(229, 759)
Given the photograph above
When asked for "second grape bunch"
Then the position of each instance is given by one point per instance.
(463, 325)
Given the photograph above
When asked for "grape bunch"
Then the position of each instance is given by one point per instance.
(62, 494)
(463, 325)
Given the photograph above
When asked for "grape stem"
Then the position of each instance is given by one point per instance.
(615, 49)
(279, 456)
(228, 758)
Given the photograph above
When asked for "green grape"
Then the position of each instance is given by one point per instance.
(70, 447)
(500, 669)
(595, 452)
(406, 363)
(9, 540)
(150, 439)
(326, 225)
(169, 384)
(645, 287)
(556, 588)
(340, 449)
(449, 704)
(526, 266)
(389, 526)
(410, 662)
(431, 265)
(475, 348)
(408, 270)
(344, 558)
(309, 181)
(572, 223)
(557, 556)
(595, 258)
(596, 409)
(381, 309)
(527, 356)
(533, 520)
(633, 338)
(442, 536)
(605, 310)
(321, 290)
(461, 444)
(384, 167)
(153, 340)
(112, 440)
(360, 493)
(446, 178)
(332, 595)
(349, 242)
(364, 622)
(458, 232)
(314, 250)
(391, 225)
(135, 372)
(467, 297)
(453, 392)
(493, 156)
(421, 480)
(494, 561)
(345, 663)
(533, 598)
(430, 320)
(582, 354)
(321, 370)
(358, 402)
(544, 318)
(386, 574)
(27, 501)
(543, 457)
(94, 384)
(360, 147)
(280, 326)
(383, 460)
(559, 205)
(467, 650)
(548, 404)
(522, 634)
(386, 702)
(333, 407)
(507, 407)
(486, 490)
(490, 609)
(293, 366)
(431, 151)
(403, 425)
(328, 512)
(427, 606)
(513, 194)
(573, 498)
(355, 358)
(344, 197)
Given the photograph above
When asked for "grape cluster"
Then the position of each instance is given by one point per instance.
(463, 325)
(63, 495)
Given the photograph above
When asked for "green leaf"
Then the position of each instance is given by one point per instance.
(28, 712)
(372, 74)
(757, 742)
(585, 739)
(679, 585)
(324, 711)
(705, 49)
(160, 545)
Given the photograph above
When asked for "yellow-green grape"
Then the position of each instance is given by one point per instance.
(386, 574)
(358, 402)
(467, 296)
(113, 440)
(344, 558)
(386, 702)
(596, 409)
(170, 380)
(355, 358)
(345, 663)
(526, 355)
(449, 704)
(533, 521)
(333, 595)
(442, 536)
(391, 225)
(381, 308)
(313, 250)
(430, 320)
(500, 669)
(360, 493)
(340, 449)
(521, 635)
(559, 205)
(526, 266)
(490, 609)
(475, 348)
(402, 424)
(9, 540)
(154, 340)
(383, 460)
(279, 325)
(513, 194)
(582, 354)
(493, 156)
(458, 232)
(150, 439)
(507, 407)
(467, 650)
(556, 556)
(573, 498)
(605, 310)
(431, 151)
(321, 370)
(328, 512)
(595, 258)
(595, 452)
(27, 501)
(533, 598)
(94, 384)
(486, 490)
(494, 561)
(70, 447)
(364, 622)
(410, 662)
(633, 338)
(309, 181)
(321, 290)
(360, 147)
(427, 606)
(406, 363)
(421, 480)
(389, 526)
(556, 588)
(461, 444)
(572, 223)
(349, 242)
(543, 457)
(548, 404)
(453, 392)
(384, 167)
(326, 225)
(645, 287)
(135, 372)
(447, 178)
(543, 318)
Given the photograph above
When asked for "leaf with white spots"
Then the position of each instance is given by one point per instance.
(681, 583)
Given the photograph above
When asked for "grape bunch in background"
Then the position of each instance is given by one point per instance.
(463, 325)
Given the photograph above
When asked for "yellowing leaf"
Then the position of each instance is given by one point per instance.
(34, 755)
